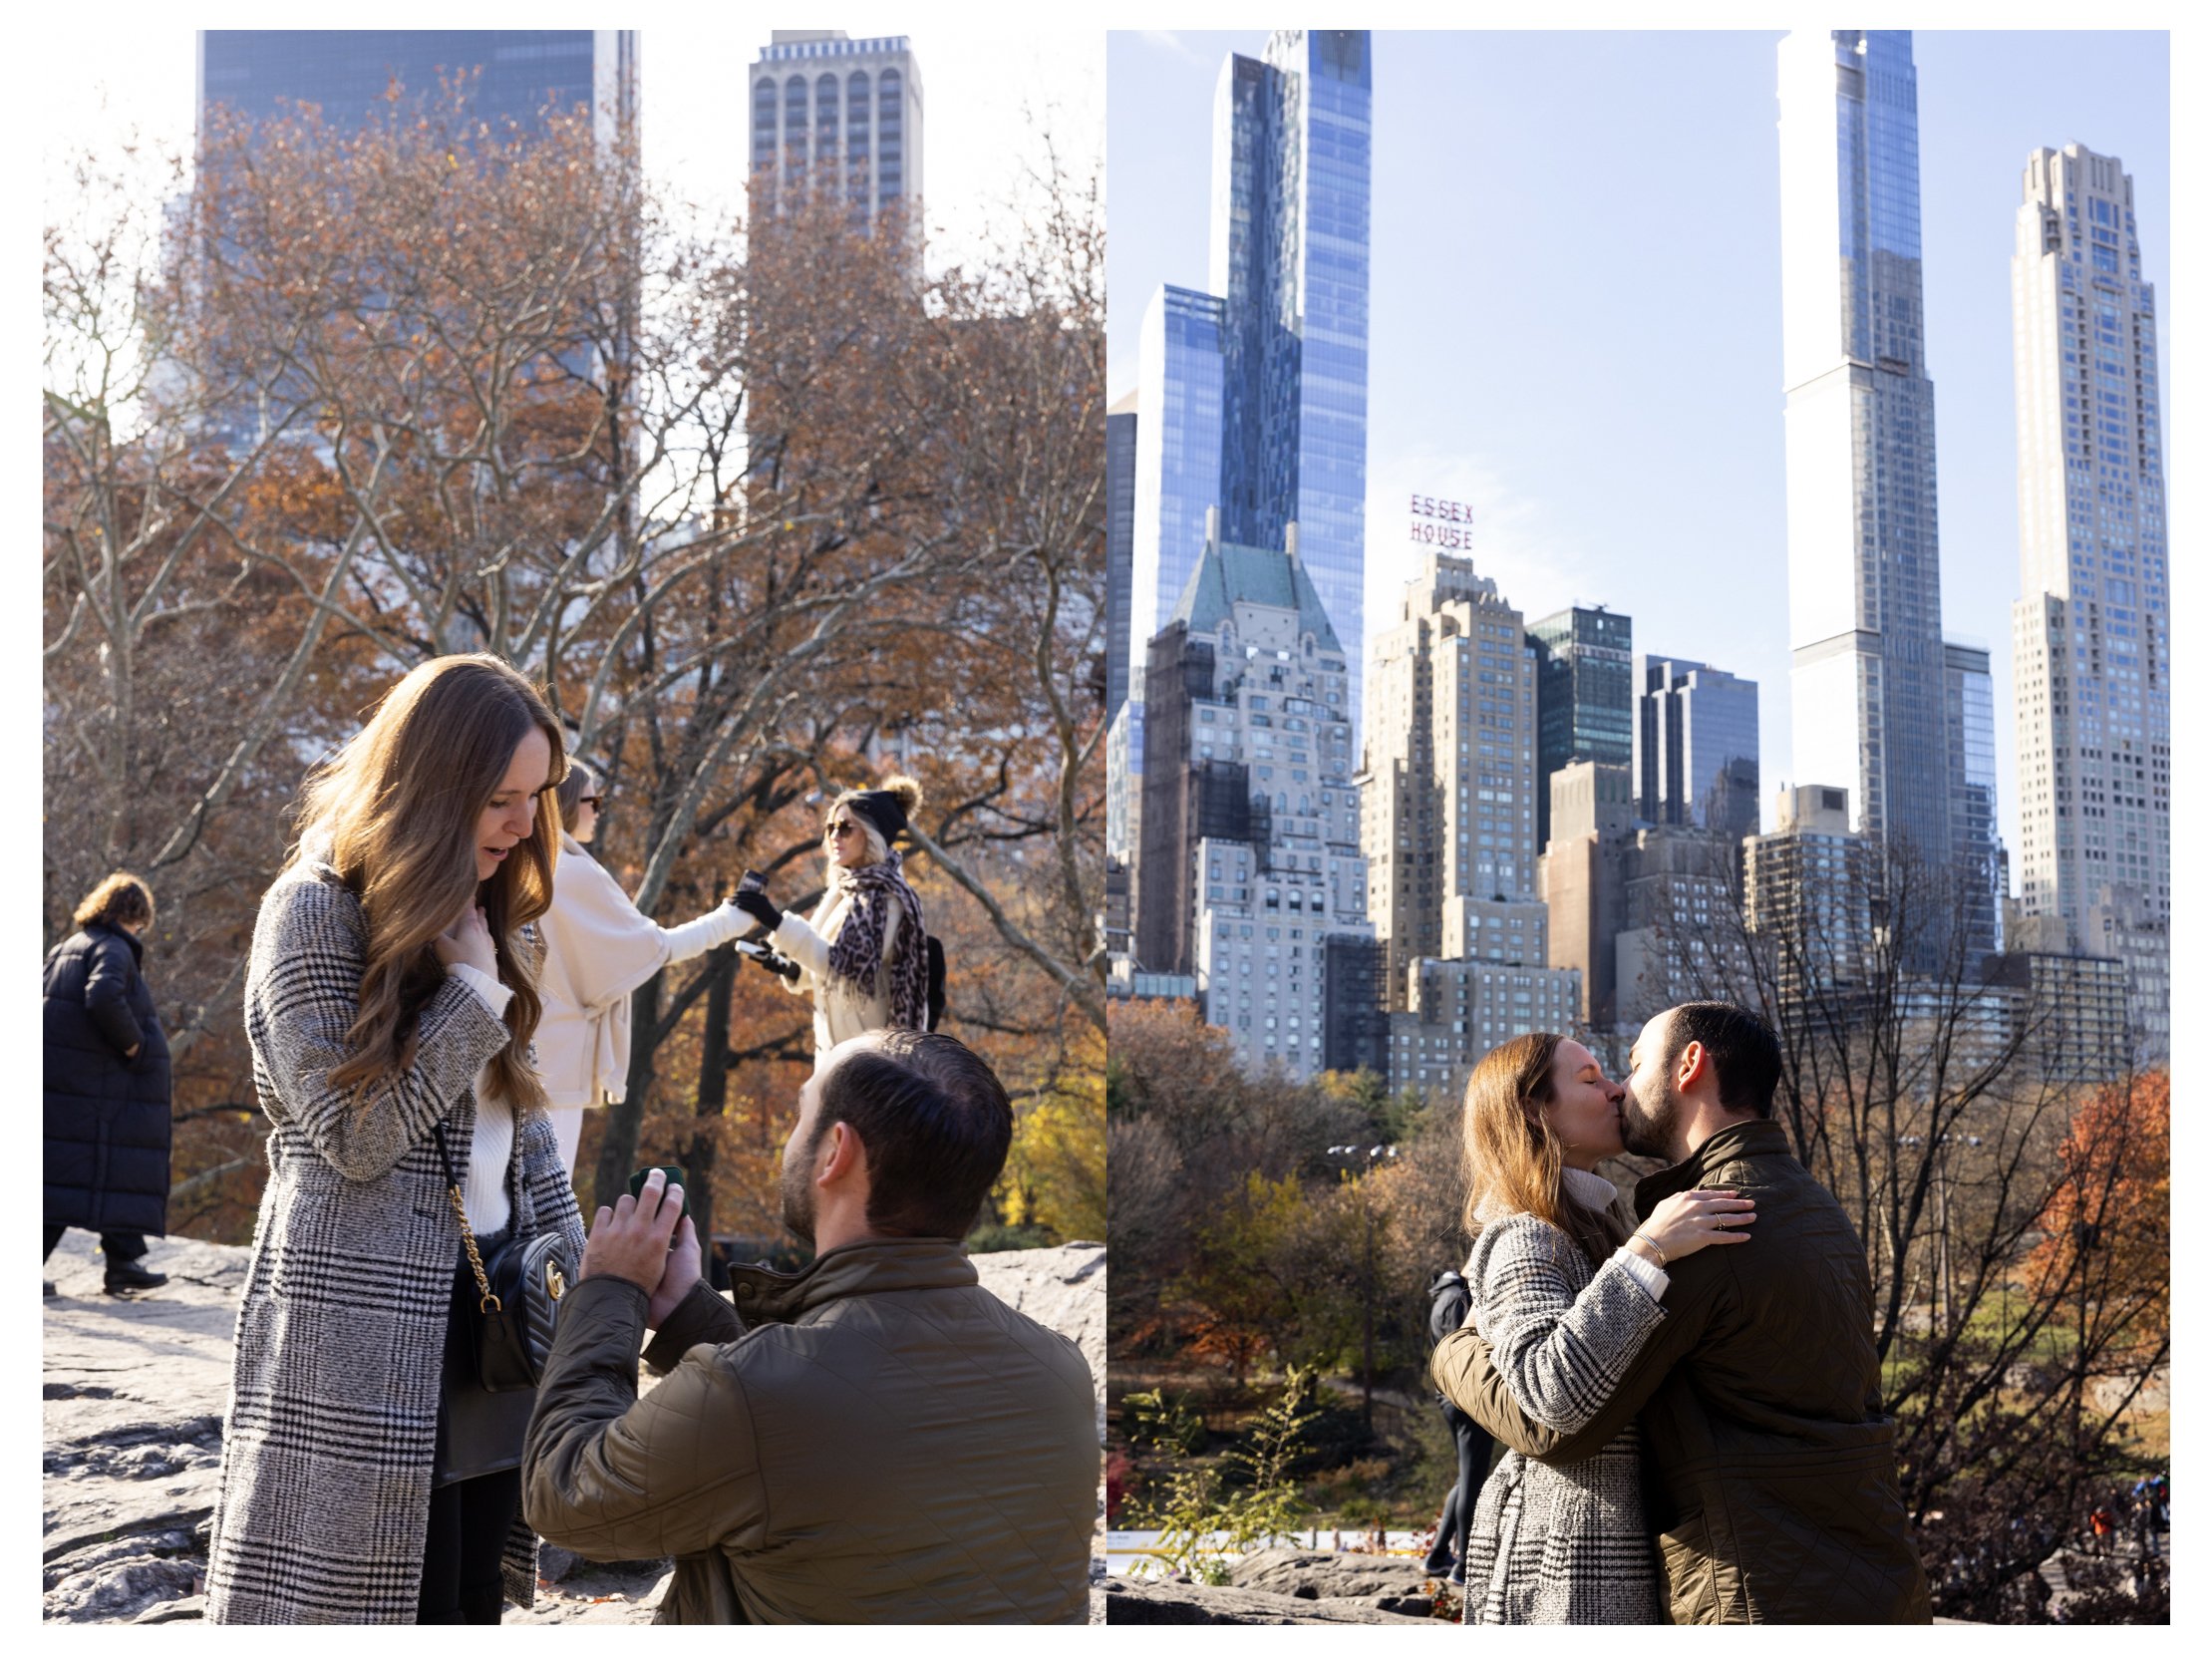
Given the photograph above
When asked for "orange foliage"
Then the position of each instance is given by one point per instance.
(2107, 1223)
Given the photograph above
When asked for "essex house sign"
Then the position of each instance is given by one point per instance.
(1446, 524)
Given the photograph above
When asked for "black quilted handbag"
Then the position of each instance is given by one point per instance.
(518, 1291)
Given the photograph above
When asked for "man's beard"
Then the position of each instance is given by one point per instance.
(796, 1184)
(1648, 1132)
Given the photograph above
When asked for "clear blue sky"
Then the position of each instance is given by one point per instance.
(1577, 312)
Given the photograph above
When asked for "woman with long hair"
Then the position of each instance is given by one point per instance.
(391, 1000)
(598, 949)
(1566, 1290)
(861, 956)
(106, 1085)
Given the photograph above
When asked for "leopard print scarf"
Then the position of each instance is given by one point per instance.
(857, 954)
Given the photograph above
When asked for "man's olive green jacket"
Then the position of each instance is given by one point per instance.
(880, 1440)
(1769, 1468)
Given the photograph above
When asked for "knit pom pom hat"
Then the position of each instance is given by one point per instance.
(887, 808)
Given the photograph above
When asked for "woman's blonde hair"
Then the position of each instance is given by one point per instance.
(904, 789)
(579, 780)
(400, 805)
(120, 900)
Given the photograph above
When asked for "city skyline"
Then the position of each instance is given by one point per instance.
(1251, 392)
(982, 84)
(346, 71)
(1468, 391)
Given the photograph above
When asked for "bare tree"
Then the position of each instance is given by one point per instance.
(441, 383)
(1934, 1094)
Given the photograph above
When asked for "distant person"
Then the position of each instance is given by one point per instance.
(864, 957)
(391, 999)
(875, 1440)
(1566, 1294)
(107, 1085)
(1770, 1469)
(598, 951)
(2102, 1524)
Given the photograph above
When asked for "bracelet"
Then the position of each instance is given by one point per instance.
(1657, 1251)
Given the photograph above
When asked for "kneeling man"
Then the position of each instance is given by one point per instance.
(876, 1438)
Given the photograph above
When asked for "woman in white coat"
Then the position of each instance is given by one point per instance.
(598, 949)
(862, 955)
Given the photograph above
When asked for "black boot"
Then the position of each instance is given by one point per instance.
(133, 1277)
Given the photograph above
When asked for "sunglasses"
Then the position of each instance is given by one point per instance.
(838, 829)
(592, 800)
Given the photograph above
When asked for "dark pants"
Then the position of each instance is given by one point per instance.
(1472, 1445)
(468, 1524)
(477, 1475)
(121, 1246)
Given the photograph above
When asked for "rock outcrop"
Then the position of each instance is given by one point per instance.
(132, 1436)
(1063, 1287)
(1181, 1603)
(1314, 1574)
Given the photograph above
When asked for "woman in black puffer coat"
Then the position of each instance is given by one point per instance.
(106, 1085)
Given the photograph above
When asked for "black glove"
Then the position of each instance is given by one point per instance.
(782, 967)
(759, 909)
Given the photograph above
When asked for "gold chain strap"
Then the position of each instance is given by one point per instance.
(489, 1301)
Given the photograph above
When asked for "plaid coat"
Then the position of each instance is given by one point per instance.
(1560, 1544)
(327, 1443)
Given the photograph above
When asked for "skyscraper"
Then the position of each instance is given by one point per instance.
(1811, 892)
(1120, 514)
(519, 73)
(2091, 641)
(1639, 913)
(1179, 458)
(1970, 726)
(1697, 747)
(1867, 629)
(1292, 178)
(1585, 696)
(1447, 785)
(1252, 395)
(511, 74)
(1250, 858)
(839, 117)
(1251, 399)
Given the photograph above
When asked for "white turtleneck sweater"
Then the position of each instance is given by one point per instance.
(484, 1192)
(1597, 1193)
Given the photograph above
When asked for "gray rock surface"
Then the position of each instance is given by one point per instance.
(134, 1390)
(1320, 1575)
(133, 1437)
(1180, 1603)
(1063, 1287)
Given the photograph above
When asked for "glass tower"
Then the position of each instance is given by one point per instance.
(1585, 696)
(1697, 747)
(1866, 629)
(519, 72)
(1179, 458)
(515, 73)
(1121, 512)
(2092, 639)
(1292, 167)
(1971, 724)
(838, 115)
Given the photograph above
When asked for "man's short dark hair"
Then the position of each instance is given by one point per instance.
(936, 1122)
(1747, 1059)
